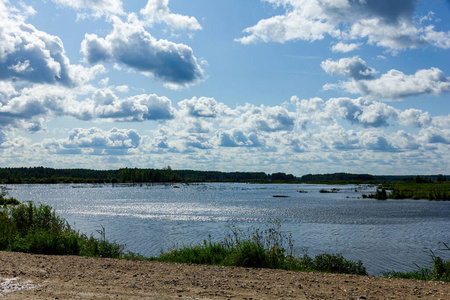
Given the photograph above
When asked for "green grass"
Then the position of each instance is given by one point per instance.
(437, 191)
(439, 270)
(37, 229)
(260, 249)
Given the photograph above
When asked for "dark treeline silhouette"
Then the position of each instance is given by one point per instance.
(50, 175)
(137, 175)
(367, 178)
(192, 175)
(336, 177)
(131, 175)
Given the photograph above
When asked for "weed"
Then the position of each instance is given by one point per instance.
(439, 270)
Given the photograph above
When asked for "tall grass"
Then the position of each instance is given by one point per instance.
(260, 248)
(37, 229)
(439, 270)
(436, 191)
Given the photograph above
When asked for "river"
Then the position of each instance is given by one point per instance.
(384, 235)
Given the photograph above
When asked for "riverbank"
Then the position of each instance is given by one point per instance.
(69, 277)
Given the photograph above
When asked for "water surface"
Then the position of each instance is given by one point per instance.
(385, 235)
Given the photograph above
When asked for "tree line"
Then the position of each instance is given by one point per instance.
(141, 175)
(131, 175)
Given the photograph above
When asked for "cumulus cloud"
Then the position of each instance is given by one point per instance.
(396, 85)
(136, 108)
(435, 135)
(362, 112)
(376, 141)
(157, 11)
(352, 67)
(203, 107)
(95, 141)
(31, 107)
(392, 85)
(98, 7)
(414, 118)
(28, 54)
(344, 48)
(385, 23)
(266, 118)
(130, 45)
(238, 138)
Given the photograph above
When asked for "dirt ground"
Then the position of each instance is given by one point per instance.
(25, 276)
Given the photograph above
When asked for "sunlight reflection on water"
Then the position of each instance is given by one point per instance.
(385, 235)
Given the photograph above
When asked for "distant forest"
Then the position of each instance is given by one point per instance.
(132, 175)
(137, 175)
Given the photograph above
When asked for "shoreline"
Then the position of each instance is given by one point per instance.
(68, 277)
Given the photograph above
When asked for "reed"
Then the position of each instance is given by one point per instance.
(260, 248)
(438, 271)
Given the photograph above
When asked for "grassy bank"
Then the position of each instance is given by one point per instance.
(261, 248)
(37, 229)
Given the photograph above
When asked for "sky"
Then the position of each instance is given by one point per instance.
(294, 86)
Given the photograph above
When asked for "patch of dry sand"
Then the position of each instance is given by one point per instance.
(72, 277)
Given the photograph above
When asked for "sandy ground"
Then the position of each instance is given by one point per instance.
(25, 276)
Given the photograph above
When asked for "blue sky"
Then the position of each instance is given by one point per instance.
(296, 86)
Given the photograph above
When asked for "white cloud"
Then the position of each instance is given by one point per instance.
(30, 55)
(441, 121)
(384, 23)
(362, 112)
(203, 107)
(435, 135)
(392, 85)
(395, 85)
(130, 45)
(376, 141)
(265, 118)
(136, 108)
(157, 11)
(237, 138)
(95, 141)
(352, 67)
(414, 118)
(204, 130)
(122, 88)
(345, 48)
(98, 7)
